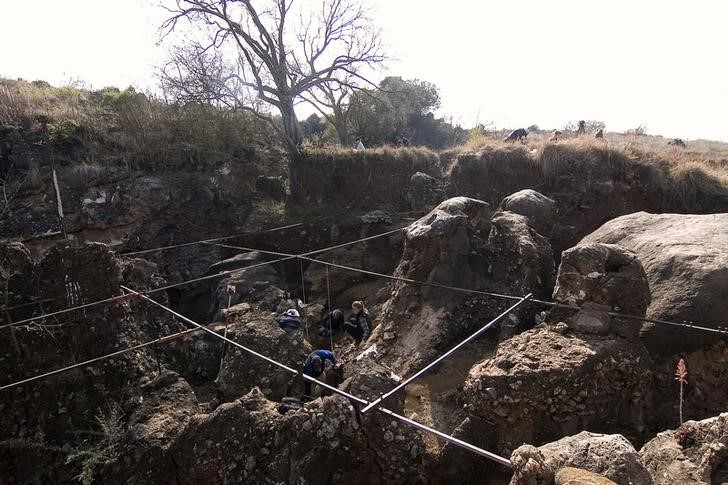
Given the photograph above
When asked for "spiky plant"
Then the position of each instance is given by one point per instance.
(681, 374)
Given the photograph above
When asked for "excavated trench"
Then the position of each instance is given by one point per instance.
(497, 392)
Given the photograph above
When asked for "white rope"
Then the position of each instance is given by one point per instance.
(328, 296)
(303, 291)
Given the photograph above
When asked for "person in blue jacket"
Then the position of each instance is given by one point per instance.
(315, 366)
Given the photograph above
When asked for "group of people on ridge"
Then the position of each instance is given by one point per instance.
(522, 133)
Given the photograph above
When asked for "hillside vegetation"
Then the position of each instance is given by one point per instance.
(91, 132)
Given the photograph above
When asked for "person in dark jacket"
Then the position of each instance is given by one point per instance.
(290, 320)
(358, 324)
(315, 366)
(332, 323)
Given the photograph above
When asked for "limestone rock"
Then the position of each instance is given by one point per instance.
(542, 384)
(603, 278)
(243, 280)
(240, 372)
(695, 453)
(609, 455)
(686, 263)
(249, 441)
(424, 191)
(576, 476)
(519, 255)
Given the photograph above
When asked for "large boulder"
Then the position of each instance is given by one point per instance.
(547, 382)
(602, 278)
(695, 453)
(686, 262)
(609, 455)
(446, 247)
(365, 378)
(539, 209)
(439, 244)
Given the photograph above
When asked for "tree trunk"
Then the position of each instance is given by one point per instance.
(342, 130)
(291, 128)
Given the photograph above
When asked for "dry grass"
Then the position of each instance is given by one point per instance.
(129, 129)
(22, 103)
(689, 175)
(413, 158)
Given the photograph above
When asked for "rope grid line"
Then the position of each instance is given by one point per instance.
(492, 456)
(445, 355)
(328, 296)
(720, 330)
(197, 328)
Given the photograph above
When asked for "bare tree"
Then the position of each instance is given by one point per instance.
(281, 52)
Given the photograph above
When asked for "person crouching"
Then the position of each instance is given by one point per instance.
(315, 364)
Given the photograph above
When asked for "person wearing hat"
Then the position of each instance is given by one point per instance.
(290, 320)
(315, 366)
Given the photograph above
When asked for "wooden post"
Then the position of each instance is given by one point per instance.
(56, 189)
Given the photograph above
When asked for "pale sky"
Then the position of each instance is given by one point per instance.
(662, 64)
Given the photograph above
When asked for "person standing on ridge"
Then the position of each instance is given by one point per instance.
(359, 145)
(581, 130)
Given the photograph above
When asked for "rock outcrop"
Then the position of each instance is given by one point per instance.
(686, 262)
(602, 278)
(460, 243)
(244, 273)
(609, 455)
(424, 192)
(695, 453)
(519, 256)
(559, 378)
(543, 384)
(539, 209)
(240, 371)
(445, 247)
(326, 442)
(576, 476)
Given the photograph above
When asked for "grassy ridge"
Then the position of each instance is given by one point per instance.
(92, 131)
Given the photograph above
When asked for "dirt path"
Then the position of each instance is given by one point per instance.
(434, 397)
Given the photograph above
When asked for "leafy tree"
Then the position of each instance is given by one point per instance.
(402, 107)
